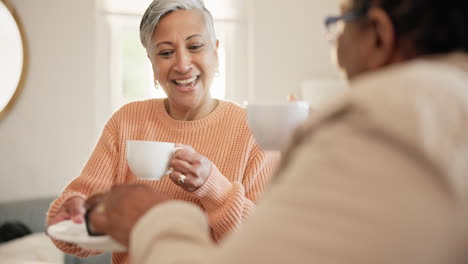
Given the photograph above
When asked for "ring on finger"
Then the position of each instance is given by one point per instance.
(181, 179)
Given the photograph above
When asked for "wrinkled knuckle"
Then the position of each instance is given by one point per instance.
(198, 172)
(189, 185)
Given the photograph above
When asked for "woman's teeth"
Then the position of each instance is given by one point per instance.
(187, 81)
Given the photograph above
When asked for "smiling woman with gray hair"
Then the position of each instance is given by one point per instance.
(220, 169)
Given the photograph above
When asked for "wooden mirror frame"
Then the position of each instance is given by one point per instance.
(19, 86)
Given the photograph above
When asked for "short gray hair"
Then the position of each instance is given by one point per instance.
(159, 8)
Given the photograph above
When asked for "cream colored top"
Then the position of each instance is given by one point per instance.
(380, 177)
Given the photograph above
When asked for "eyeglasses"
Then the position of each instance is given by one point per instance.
(334, 28)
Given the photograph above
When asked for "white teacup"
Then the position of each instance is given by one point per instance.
(273, 124)
(149, 160)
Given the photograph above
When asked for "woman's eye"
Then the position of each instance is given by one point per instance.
(165, 53)
(196, 47)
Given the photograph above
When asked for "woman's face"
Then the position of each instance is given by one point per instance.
(184, 58)
(350, 50)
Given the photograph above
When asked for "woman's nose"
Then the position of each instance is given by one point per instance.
(183, 62)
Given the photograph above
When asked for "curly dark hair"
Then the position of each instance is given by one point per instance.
(433, 26)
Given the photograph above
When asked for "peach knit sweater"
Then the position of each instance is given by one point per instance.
(238, 176)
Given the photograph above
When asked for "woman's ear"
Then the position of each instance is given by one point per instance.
(382, 38)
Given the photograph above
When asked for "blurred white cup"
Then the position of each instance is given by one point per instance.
(273, 124)
(149, 160)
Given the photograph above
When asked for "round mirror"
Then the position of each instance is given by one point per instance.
(13, 57)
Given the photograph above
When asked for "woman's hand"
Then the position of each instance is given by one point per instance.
(117, 211)
(190, 169)
(73, 209)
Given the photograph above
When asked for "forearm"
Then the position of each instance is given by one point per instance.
(174, 232)
(225, 203)
(229, 204)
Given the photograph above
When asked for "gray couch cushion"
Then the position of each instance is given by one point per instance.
(31, 212)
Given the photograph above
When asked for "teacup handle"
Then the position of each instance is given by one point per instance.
(176, 149)
(169, 171)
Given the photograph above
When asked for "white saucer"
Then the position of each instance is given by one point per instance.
(71, 232)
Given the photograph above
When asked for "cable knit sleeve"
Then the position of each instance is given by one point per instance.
(228, 204)
(98, 175)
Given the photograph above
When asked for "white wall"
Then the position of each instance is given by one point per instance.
(49, 133)
(289, 45)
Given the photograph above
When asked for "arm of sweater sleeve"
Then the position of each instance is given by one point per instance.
(345, 196)
(191, 238)
(227, 203)
(97, 175)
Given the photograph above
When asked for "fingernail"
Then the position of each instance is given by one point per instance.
(78, 219)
